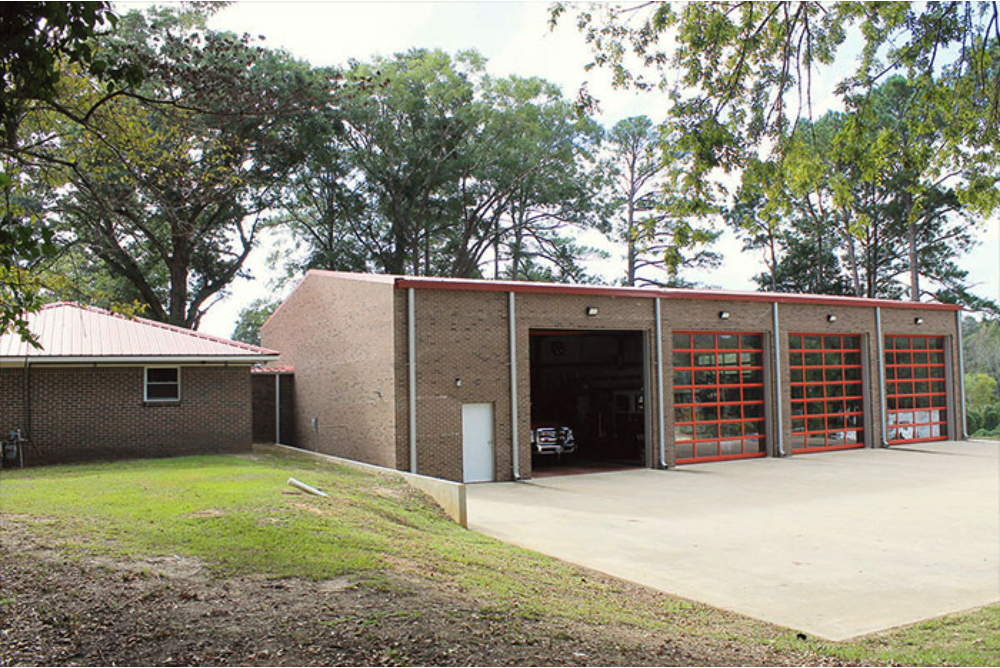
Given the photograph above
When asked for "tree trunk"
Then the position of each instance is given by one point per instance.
(852, 257)
(630, 231)
(178, 292)
(911, 239)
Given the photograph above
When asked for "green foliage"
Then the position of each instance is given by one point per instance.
(738, 78)
(981, 347)
(167, 186)
(980, 390)
(981, 341)
(654, 240)
(856, 206)
(38, 40)
(445, 170)
(991, 417)
(251, 319)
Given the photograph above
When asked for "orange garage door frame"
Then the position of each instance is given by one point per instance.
(916, 394)
(718, 396)
(827, 388)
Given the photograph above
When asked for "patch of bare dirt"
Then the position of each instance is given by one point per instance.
(58, 609)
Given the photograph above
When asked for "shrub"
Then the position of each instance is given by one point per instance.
(991, 417)
(973, 421)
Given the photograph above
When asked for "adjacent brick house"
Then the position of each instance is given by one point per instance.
(430, 375)
(104, 386)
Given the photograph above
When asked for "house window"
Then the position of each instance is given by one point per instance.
(163, 383)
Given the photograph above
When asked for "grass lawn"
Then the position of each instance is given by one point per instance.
(236, 514)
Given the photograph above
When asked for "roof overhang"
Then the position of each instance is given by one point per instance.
(143, 360)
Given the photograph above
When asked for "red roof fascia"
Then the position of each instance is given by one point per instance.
(427, 283)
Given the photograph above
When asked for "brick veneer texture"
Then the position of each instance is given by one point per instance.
(347, 339)
(85, 413)
(464, 335)
(338, 335)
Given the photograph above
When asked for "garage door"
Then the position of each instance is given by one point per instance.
(827, 391)
(916, 394)
(718, 396)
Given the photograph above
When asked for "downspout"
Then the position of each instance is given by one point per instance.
(277, 407)
(26, 389)
(881, 377)
(411, 365)
(514, 444)
(777, 381)
(661, 438)
(961, 376)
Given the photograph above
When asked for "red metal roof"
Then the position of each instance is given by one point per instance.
(68, 331)
(430, 283)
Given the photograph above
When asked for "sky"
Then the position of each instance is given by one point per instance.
(515, 38)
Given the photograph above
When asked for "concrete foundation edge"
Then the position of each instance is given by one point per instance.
(447, 494)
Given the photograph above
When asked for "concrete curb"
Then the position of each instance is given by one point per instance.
(447, 494)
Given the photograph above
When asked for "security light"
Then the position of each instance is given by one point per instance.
(831, 318)
(723, 315)
(918, 321)
(591, 311)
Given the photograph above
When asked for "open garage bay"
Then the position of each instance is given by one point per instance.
(834, 544)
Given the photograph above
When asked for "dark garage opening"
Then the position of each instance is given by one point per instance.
(592, 383)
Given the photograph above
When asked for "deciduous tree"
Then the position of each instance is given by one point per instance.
(168, 185)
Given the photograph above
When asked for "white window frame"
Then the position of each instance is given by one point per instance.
(145, 385)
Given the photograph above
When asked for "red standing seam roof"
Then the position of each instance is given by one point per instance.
(70, 331)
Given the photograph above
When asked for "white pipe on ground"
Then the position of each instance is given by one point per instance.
(307, 488)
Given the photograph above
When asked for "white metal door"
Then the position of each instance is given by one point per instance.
(477, 442)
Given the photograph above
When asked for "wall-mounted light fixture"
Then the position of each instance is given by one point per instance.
(918, 320)
(724, 315)
(831, 318)
(591, 311)
(458, 382)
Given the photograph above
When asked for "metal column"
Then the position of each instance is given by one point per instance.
(961, 376)
(277, 407)
(411, 362)
(881, 377)
(659, 387)
(780, 431)
(514, 445)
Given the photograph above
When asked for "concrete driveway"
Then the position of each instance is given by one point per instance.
(834, 544)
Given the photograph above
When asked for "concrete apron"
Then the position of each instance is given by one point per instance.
(835, 544)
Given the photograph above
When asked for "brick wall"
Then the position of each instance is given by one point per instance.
(81, 413)
(464, 335)
(459, 335)
(337, 332)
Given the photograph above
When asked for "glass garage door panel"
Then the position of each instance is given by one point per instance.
(916, 395)
(827, 392)
(718, 396)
